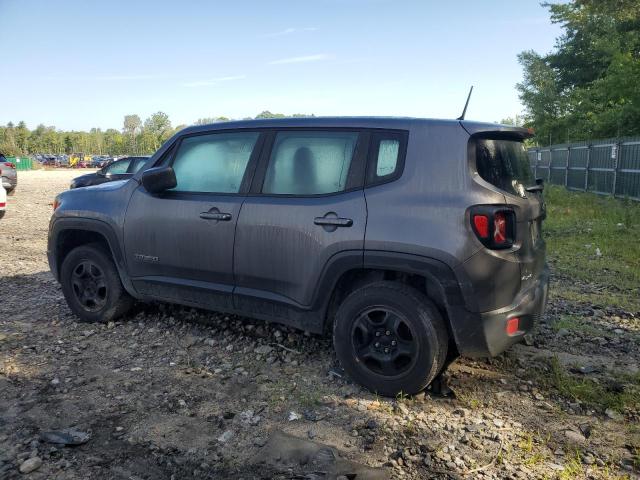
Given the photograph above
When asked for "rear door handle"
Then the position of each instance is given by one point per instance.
(333, 222)
(223, 217)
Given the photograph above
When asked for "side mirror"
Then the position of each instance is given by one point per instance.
(159, 179)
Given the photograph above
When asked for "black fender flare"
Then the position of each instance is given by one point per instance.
(88, 225)
(455, 294)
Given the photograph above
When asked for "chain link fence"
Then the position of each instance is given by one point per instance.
(605, 167)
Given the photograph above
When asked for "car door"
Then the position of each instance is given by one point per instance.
(179, 244)
(306, 206)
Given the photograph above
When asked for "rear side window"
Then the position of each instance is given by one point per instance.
(310, 163)
(505, 164)
(386, 156)
(213, 163)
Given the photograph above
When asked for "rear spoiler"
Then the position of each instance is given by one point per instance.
(496, 130)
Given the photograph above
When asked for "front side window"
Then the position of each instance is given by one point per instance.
(118, 167)
(310, 163)
(213, 163)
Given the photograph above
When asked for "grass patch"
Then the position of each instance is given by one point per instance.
(532, 453)
(576, 323)
(591, 392)
(572, 469)
(578, 225)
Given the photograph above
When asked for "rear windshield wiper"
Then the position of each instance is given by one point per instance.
(538, 187)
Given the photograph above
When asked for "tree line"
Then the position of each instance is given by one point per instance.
(135, 138)
(588, 87)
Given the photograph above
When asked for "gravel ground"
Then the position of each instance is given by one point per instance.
(171, 392)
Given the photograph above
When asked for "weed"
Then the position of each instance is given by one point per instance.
(572, 469)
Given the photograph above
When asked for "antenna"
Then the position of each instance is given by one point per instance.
(461, 117)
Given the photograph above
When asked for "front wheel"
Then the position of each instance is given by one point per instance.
(390, 338)
(91, 285)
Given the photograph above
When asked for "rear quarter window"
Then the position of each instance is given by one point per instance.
(504, 164)
(386, 156)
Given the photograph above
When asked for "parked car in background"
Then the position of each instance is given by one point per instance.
(3, 201)
(99, 161)
(50, 161)
(118, 170)
(9, 174)
(412, 240)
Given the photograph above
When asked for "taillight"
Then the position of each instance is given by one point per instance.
(481, 222)
(56, 203)
(3, 204)
(494, 225)
(499, 228)
(10, 165)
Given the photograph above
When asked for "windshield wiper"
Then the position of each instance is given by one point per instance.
(538, 187)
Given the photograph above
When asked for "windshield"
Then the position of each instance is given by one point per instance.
(505, 164)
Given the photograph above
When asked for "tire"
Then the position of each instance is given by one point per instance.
(2, 212)
(91, 285)
(396, 317)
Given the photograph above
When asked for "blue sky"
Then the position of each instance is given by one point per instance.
(83, 64)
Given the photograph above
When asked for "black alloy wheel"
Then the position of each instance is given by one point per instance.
(384, 342)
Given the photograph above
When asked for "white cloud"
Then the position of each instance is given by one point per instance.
(303, 59)
(126, 77)
(289, 31)
(107, 78)
(213, 81)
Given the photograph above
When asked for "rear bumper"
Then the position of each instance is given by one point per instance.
(528, 308)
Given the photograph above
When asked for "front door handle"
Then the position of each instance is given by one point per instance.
(333, 221)
(223, 217)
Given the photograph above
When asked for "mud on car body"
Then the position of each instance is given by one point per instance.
(412, 241)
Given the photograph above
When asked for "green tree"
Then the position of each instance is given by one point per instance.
(131, 128)
(157, 129)
(268, 114)
(588, 86)
(208, 120)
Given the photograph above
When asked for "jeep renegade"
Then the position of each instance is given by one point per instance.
(411, 240)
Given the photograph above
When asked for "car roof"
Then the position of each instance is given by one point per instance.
(401, 123)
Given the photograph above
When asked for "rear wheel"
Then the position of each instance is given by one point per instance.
(390, 338)
(91, 285)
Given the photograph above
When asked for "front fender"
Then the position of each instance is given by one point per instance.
(60, 225)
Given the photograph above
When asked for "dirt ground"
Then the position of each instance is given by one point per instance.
(171, 392)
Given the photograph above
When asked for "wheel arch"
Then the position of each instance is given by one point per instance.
(67, 234)
(431, 276)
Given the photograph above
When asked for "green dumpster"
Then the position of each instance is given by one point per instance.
(21, 163)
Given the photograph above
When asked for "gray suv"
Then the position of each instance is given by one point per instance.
(412, 241)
